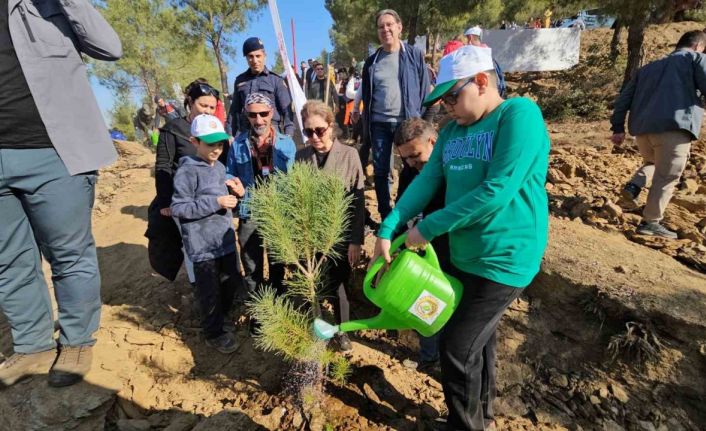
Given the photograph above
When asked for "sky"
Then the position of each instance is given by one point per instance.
(312, 23)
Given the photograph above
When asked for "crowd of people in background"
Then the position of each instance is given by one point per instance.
(474, 188)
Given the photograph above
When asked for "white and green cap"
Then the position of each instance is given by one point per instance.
(462, 63)
(209, 129)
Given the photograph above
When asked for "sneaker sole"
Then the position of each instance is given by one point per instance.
(655, 235)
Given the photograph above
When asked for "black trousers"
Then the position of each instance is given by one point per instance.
(252, 256)
(336, 276)
(468, 351)
(216, 283)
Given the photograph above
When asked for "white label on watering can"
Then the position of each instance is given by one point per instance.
(427, 307)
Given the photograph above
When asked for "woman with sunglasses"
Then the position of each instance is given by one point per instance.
(325, 152)
(173, 144)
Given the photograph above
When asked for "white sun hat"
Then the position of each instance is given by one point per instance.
(461, 63)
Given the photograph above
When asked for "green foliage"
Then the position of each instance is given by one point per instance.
(563, 103)
(216, 21)
(302, 214)
(121, 116)
(158, 52)
(340, 370)
(278, 67)
(354, 20)
(284, 328)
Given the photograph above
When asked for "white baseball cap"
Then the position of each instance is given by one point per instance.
(474, 31)
(208, 129)
(461, 63)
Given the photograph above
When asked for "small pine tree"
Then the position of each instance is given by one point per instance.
(301, 217)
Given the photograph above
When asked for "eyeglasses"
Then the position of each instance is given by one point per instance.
(261, 114)
(319, 68)
(318, 130)
(451, 97)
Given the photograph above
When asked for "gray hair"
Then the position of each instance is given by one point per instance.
(390, 12)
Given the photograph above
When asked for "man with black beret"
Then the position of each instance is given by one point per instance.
(257, 79)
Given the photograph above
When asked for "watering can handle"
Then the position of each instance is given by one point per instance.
(429, 256)
(378, 265)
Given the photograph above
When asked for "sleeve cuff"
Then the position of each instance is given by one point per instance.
(425, 230)
(618, 128)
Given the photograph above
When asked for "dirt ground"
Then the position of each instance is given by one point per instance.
(610, 336)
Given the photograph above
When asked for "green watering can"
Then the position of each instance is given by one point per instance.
(154, 138)
(413, 294)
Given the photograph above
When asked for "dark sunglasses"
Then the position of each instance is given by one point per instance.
(451, 97)
(261, 114)
(203, 90)
(318, 130)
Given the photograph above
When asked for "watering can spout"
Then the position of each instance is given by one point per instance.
(381, 321)
(325, 331)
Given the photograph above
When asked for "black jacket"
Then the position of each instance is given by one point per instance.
(172, 145)
(164, 243)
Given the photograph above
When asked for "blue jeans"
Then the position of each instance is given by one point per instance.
(381, 137)
(45, 210)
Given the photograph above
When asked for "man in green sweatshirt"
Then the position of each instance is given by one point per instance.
(491, 164)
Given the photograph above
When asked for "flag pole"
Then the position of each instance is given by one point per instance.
(294, 45)
(328, 78)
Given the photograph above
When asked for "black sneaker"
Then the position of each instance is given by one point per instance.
(655, 229)
(343, 342)
(224, 343)
(629, 195)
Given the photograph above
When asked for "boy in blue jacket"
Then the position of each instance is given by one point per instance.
(203, 205)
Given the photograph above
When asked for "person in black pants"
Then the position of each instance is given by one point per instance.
(203, 206)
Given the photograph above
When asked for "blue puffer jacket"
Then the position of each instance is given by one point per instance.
(240, 163)
(206, 228)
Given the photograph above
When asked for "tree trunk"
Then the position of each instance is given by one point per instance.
(615, 41)
(636, 52)
(412, 26)
(435, 49)
(223, 72)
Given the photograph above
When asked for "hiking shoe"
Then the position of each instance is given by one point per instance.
(655, 229)
(228, 325)
(21, 365)
(343, 342)
(629, 195)
(224, 343)
(71, 366)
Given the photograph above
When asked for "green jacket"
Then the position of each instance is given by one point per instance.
(496, 209)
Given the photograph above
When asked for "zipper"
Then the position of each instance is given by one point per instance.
(26, 23)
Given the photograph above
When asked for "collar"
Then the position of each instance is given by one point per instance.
(264, 72)
(377, 53)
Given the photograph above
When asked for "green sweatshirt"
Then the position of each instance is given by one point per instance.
(496, 210)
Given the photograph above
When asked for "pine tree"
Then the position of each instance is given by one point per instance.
(301, 217)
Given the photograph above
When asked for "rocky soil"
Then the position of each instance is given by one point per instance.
(610, 336)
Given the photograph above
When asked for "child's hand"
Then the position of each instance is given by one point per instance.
(228, 201)
(236, 186)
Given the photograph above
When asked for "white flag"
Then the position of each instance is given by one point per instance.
(295, 90)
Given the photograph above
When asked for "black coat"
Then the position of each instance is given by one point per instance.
(164, 243)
